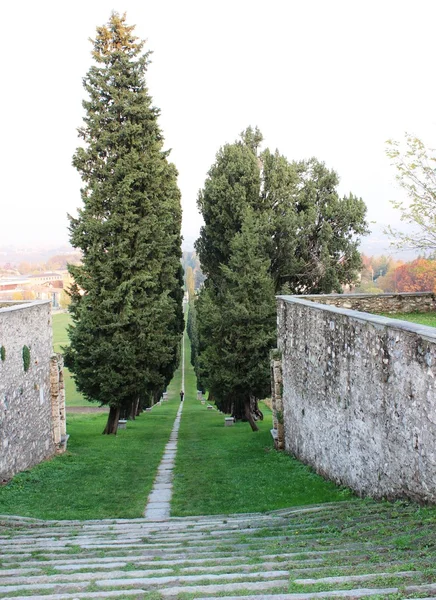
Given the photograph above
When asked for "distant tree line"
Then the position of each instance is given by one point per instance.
(383, 274)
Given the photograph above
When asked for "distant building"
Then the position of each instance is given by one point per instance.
(44, 278)
(43, 286)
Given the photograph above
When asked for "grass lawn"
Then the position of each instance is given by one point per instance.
(100, 476)
(60, 338)
(223, 470)
(219, 470)
(421, 318)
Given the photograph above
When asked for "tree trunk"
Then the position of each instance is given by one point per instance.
(133, 410)
(112, 421)
(248, 414)
(255, 410)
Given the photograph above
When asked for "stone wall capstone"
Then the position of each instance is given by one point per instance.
(26, 420)
(380, 303)
(359, 396)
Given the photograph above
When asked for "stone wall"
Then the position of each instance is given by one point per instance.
(27, 432)
(277, 400)
(380, 303)
(359, 398)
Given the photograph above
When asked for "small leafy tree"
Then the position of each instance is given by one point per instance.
(416, 276)
(416, 174)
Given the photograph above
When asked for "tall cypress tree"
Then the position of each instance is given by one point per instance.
(127, 302)
(270, 226)
(237, 319)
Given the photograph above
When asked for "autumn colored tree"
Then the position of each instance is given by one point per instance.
(190, 282)
(416, 276)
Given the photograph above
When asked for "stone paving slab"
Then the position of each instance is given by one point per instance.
(158, 503)
(353, 578)
(160, 496)
(43, 586)
(164, 477)
(80, 577)
(188, 578)
(85, 595)
(356, 593)
(157, 514)
(225, 587)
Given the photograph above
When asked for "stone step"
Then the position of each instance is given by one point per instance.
(129, 530)
(162, 530)
(51, 582)
(12, 576)
(249, 556)
(79, 577)
(352, 593)
(116, 562)
(181, 550)
(328, 509)
(124, 541)
(342, 552)
(133, 593)
(354, 578)
(166, 592)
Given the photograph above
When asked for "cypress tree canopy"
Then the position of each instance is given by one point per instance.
(271, 226)
(127, 302)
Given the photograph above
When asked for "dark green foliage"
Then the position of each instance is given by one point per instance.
(270, 226)
(232, 185)
(3, 353)
(26, 358)
(313, 237)
(127, 325)
(239, 316)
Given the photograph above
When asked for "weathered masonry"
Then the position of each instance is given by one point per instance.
(32, 397)
(359, 397)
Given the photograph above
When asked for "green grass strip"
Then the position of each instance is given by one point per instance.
(415, 317)
(224, 470)
(99, 476)
(61, 339)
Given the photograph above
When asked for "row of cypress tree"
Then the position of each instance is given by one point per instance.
(271, 226)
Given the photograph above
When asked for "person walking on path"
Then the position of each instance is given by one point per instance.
(182, 395)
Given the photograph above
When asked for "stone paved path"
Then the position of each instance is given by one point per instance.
(158, 504)
(159, 501)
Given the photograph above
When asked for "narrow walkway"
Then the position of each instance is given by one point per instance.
(159, 501)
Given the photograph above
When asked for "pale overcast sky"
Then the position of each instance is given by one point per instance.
(329, 78)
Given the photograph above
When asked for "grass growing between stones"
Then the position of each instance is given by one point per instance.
(99, 476)
(415, 317)
(225, 470)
